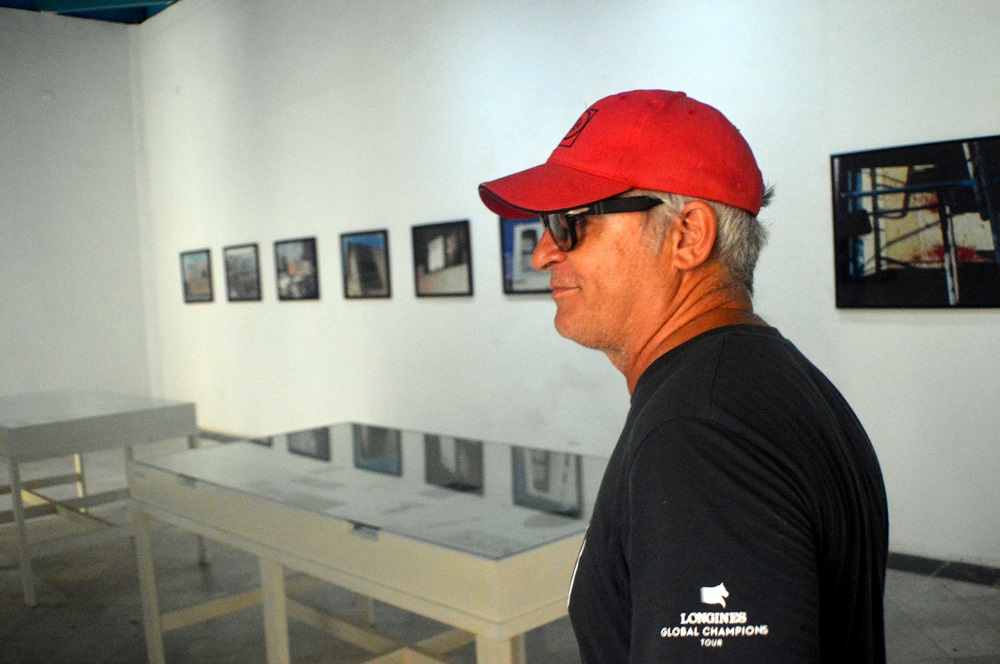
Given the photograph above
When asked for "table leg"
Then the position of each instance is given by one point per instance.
(194, 443)
(366, 611)
(21, 536)
(202, 552)
(147, 588)
(500, 651)
(81, 479)
(272, 581)
(129, 453)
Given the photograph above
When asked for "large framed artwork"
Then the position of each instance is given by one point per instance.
(297, 269)
(548, 481)
(918, 226)
(518, 239)
(242, 272)
(442, 259)
(196, 275)
(365, 260)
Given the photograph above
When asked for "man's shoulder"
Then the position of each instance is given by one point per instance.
(716, 376)
(683, 380)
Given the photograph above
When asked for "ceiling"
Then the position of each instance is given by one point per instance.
(114, 11)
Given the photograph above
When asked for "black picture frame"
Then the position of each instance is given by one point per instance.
(378, 449)
(918, 226)
(314, 443)
(242, 263)
(365, 262)
(297, 269)
(454, 463)
(196, 276)
(442, 259)
(518, 239)
(548, 481)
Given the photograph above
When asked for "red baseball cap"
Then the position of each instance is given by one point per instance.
(643, 139)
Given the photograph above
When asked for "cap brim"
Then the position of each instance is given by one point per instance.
(546, 188)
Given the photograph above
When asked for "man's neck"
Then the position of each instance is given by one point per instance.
(693, 312)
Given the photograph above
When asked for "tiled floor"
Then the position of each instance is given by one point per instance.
(89, 609)
(934, 620)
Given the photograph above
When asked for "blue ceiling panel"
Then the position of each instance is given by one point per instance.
(114, 11)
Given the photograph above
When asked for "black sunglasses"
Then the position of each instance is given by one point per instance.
(562, 225)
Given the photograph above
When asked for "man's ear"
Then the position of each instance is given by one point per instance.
(694, 233)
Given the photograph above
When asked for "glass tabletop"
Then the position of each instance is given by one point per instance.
(484, 498)
(41, 408)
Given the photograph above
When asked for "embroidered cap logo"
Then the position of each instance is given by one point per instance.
(577, 129)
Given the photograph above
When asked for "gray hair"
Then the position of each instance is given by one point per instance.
(739, 239)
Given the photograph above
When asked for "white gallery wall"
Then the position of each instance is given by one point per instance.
(258, 121)
(71, 306)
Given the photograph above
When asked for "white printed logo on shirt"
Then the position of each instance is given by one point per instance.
(572, 579)
(712, 628)
(715, 595)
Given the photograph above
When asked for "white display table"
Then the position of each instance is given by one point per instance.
(480, 536)
(49, 425)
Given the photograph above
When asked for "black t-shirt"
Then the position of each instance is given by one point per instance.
(742, 516)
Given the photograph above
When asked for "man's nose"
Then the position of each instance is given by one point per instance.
(546, 253)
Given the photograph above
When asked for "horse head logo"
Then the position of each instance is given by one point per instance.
(715, 595)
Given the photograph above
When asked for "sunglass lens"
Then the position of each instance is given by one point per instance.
(559, 227)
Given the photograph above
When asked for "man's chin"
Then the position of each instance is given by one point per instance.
(567, 331)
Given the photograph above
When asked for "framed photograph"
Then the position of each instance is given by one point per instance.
(313, 443)
(297, 269)
(242, 272)
(454, 463)
(196, 275)
(548, 481)
(918, 226)
(378, 449)
(518, 239)
(442, 259)
(365, 260)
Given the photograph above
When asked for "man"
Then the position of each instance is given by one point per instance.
(742, 516)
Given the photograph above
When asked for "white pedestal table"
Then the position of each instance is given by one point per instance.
(48, 425)
(479, 536)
